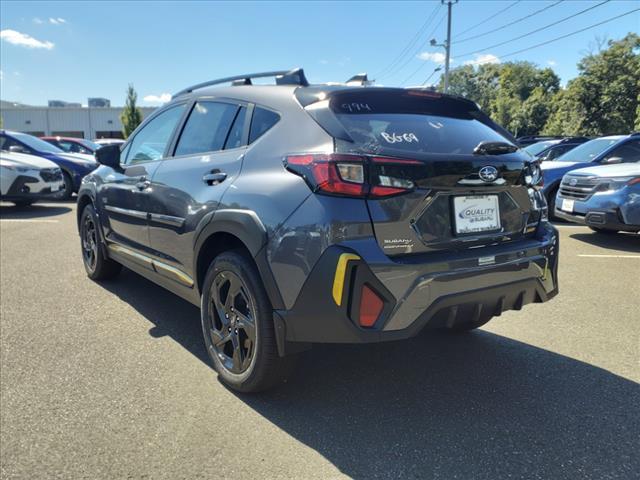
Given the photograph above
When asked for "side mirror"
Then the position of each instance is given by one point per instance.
(109, 155)
(611, 160)
(17, 149)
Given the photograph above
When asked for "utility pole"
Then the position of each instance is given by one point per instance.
(446, 44)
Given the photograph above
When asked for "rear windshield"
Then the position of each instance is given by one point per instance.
(419, 133)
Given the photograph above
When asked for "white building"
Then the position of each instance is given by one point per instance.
(90, 123)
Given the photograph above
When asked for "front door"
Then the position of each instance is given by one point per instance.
(123, 196)
(190, 185)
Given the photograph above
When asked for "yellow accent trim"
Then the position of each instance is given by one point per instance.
(338, 280)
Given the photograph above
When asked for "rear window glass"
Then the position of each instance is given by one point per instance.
(418, 133)
(262, 121)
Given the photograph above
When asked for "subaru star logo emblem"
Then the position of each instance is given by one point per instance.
(573, 182)
(488, 173)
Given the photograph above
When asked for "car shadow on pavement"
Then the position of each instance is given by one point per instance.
(9, 211)
(625, 242)
(439, 405)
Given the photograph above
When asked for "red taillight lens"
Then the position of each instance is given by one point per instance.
(370, 307)
(348, 175)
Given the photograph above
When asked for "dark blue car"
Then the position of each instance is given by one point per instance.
(74, 165)
(600, 151)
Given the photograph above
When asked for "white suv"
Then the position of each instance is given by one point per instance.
(25, 179)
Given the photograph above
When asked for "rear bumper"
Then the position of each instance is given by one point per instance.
(429, 292)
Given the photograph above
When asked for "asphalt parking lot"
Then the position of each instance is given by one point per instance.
(112, 381)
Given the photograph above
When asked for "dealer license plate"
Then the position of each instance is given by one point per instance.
(477, 213)
(567, 205)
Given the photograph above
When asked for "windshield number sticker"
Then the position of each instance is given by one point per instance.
(399, 137)
(356, 107)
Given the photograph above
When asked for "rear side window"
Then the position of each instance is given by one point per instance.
(207, 128)
(416, 133)
(262, 121)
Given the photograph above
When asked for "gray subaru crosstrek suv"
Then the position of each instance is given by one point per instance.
(294, 214)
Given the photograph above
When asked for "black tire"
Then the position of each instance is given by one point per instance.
(23, 203)
(237, 325)
(97, 265)
(66, 192)
(606, 231)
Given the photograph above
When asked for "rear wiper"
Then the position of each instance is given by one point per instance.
(494, 148)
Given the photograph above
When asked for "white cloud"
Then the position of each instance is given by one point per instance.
(162, 98)
(324, 62)
(436, 57)
(553, 63)
(57, 21)
(37, 20)
(483, 59)
(24, 40)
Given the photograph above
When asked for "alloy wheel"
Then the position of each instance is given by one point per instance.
(89, 242)
(232, 326)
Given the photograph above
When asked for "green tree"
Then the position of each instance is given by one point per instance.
(604, 98)
(131, 116)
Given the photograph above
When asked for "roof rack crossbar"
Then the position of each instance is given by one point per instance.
(283, 77)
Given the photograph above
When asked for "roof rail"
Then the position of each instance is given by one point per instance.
(283, 77)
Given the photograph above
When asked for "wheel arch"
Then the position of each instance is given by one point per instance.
(233, 229)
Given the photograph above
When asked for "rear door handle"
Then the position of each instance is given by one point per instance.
(214, 178)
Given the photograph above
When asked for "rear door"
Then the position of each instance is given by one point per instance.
(123, 194)
(189, 185)
(424, 141)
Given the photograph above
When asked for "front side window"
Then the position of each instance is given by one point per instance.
(262, 121)
(629, 152)
(207, 128)
(150, 143)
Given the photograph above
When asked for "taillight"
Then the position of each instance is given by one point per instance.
(350, 175)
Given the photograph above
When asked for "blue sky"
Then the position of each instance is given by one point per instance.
(74, 50)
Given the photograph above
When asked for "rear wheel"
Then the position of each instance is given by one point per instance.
(237, 324)
(607, 231)
(67, 190)
(97, 265)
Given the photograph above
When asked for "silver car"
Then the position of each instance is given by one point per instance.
(605, 198)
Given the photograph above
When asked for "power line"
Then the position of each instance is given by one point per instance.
(533, 31)
(506, 25)
(412, 42)
(490, 17)
(570, 34)
(424, 44)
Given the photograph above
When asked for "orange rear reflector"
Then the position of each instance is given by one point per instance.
(370, 307)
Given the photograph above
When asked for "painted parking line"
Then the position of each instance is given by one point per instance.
(28, 220)
(608, 256)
